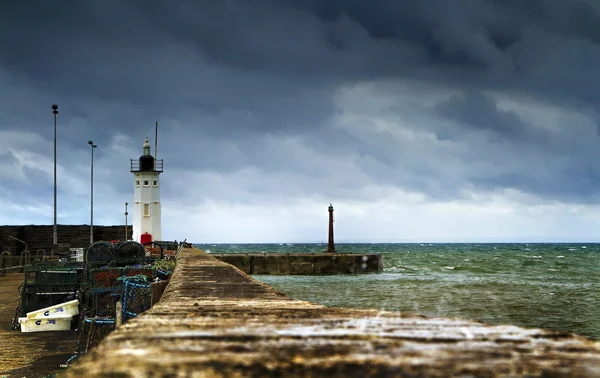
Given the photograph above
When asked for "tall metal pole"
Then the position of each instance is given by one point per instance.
(54, 234)
(126, 213)
(92, 194)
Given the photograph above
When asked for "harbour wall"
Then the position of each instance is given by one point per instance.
(40, 237)
(303, 263)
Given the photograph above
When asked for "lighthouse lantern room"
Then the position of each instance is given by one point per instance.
(146, 196)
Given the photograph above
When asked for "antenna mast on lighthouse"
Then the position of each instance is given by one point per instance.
(155, 144)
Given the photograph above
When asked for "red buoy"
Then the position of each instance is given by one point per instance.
(145, 238)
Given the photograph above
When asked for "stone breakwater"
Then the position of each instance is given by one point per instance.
(215, 321)
(304, 263)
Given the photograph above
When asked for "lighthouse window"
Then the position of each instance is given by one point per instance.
(146, 209)
(137, 182)
(146, 183)
(155, 183)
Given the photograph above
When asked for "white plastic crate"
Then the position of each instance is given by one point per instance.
(44, 325)
(57, 311)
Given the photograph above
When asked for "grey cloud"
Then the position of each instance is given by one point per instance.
(479, 111)
(232, 81)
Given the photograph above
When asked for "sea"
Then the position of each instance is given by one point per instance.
(537, 285)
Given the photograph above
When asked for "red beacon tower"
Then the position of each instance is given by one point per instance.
(330, 243)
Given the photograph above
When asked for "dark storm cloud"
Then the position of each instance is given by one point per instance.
(139, 52)
(477, 110)
(546, 47)
(223, 77)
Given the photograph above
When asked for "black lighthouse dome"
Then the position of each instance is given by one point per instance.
(146, 162)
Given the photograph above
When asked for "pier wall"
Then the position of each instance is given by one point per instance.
(215, 321)
(40, 237)
(303, 263)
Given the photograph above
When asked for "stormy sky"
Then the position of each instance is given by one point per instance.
(421, 121)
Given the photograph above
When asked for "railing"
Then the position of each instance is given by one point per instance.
(8, 262)
(135, 166)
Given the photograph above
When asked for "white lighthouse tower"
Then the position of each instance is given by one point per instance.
(146, 196)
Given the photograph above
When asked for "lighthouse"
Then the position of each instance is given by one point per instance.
(146, 196)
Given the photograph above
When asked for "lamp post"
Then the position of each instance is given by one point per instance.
(126, 213)
(92, 194)
(54, 234)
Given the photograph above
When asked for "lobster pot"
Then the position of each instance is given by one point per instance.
(104, 302)
(109, 278)
(154, 250)
(100, 252)
(130, 252)
(136, 297)
(93, 331)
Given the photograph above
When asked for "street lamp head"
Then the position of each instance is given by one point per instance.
(92, 144)
(54, 109)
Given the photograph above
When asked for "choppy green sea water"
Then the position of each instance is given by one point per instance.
(553, 286)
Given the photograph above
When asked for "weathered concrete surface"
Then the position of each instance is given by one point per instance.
(28, 354)
(215, 321)
(303, 263)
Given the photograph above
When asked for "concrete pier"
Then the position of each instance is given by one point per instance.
(215, 321)
(304, 263)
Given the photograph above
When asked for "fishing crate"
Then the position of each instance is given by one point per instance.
(52, 275)
(32, 300)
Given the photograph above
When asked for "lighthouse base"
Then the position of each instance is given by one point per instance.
(303, 263)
